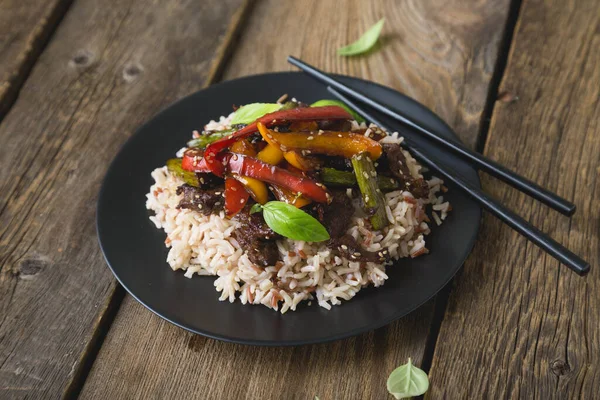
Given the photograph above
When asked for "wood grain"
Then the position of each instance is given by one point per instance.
(108, 68)
(25, 27)
(518, 324)
(428, 53)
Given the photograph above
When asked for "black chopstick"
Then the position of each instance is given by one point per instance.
(491, 167)
(538, 237)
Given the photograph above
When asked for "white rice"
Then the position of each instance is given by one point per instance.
(205, 245)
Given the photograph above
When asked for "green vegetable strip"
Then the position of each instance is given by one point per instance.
(206, 139)
(372, 195)
(174, 166)
(335, 177)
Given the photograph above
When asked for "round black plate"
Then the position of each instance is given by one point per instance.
(135, 251)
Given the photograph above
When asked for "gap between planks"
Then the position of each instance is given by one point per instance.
(39, 42)
(107, 316)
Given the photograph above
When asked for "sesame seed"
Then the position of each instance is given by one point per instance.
(373, 174)
(241, 201)
(218, 193)
(310, 137)
(340, 135)
(197, 196)
(392, 181)
(365, 175)
(357, 254)
(283, 148)
(366, 199)
(376, 164)
(344, 247)
(218, 203)
(234, 189)
(320, 132)
(224, 162)
(378, 190)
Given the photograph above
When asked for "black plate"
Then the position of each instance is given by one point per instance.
(135, 251)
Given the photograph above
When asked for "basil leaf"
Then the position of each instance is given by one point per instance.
(257, 207)
(407, 381)
(365, 42)
(293, 223)
(322, 103)
(251, 112)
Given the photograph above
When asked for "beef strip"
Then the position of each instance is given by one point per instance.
(256, 238)
(396, 162)
(337, 125)
(346, 246)
(206, 201)
(337, 217)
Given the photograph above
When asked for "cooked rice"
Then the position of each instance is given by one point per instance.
(204, 245)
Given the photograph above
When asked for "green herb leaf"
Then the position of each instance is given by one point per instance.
(251, 112)
(365, 42)
(293, 223)
(323, 103)
(407, 381)
(257, 207)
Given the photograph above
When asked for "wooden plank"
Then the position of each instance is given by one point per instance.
(108, 68)
(519, 325)
(25, 27)
(144, 356)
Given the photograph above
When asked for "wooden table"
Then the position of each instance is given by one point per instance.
(518, 81)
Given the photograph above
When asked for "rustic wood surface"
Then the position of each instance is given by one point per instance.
(443, 54)
(25, 26)
(518, 325)
(109, 67)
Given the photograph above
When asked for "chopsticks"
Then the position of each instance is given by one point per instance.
(555, 249)
(491, 167)
(552, 247)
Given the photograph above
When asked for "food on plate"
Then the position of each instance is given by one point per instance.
(285, 202)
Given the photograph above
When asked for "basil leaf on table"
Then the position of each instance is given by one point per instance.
(327, 102)
(292, 222)
(365, 42)
(407, 381)
(251, 112)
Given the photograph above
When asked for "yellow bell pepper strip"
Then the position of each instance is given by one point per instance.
(256, 188)
(289, 197)
(243, 147)
(346, 144)
(303, 163)
(296, 114)
(270, 154)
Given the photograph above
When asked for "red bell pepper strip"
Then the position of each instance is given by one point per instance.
(296, 114)
(251, 167)
(193, 160)
(236, 196)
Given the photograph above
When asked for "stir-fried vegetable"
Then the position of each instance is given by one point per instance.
(346, 144)
(254, 168)
(289, 197)
(296, 114)
(208, 137)
(366, 176)
(235, 196)
(244, 147)
(174, 166)
(270, 154)
(256, 188)
(335, 177)
(303, 163)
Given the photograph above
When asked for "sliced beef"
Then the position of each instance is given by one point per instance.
(336, 216)
(346, 246)
(337, 125)
(256, 238)
(340, 163)
(206, 201)
(396, 162)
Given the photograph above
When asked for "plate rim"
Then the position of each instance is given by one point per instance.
(275, 343)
